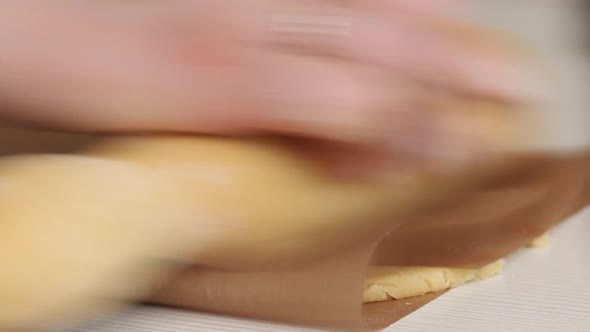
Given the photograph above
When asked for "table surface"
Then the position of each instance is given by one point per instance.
(540, 290)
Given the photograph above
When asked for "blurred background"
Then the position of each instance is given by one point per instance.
(560, 31)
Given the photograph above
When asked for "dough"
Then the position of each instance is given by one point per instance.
(544, 241)
(396, 282)
(387, 283)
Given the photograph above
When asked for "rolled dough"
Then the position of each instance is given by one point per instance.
(387, 282)
(399, 282)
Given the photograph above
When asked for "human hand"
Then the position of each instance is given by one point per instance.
(349, 71)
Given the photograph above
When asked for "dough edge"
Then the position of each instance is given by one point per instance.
(394, 283)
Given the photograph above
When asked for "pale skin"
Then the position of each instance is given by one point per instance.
(226, 67)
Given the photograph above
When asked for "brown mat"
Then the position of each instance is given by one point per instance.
(479, 228)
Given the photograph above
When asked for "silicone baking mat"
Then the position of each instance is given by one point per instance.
(540, 290)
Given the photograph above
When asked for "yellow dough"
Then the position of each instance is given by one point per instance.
(395, 282)
(386, 283)
(544, 241)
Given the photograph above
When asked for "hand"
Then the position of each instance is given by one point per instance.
(343, 70)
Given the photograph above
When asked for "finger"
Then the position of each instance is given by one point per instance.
(443, 52)
(386, 121)
(97, 70)
(444, 8)
(319, 97)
